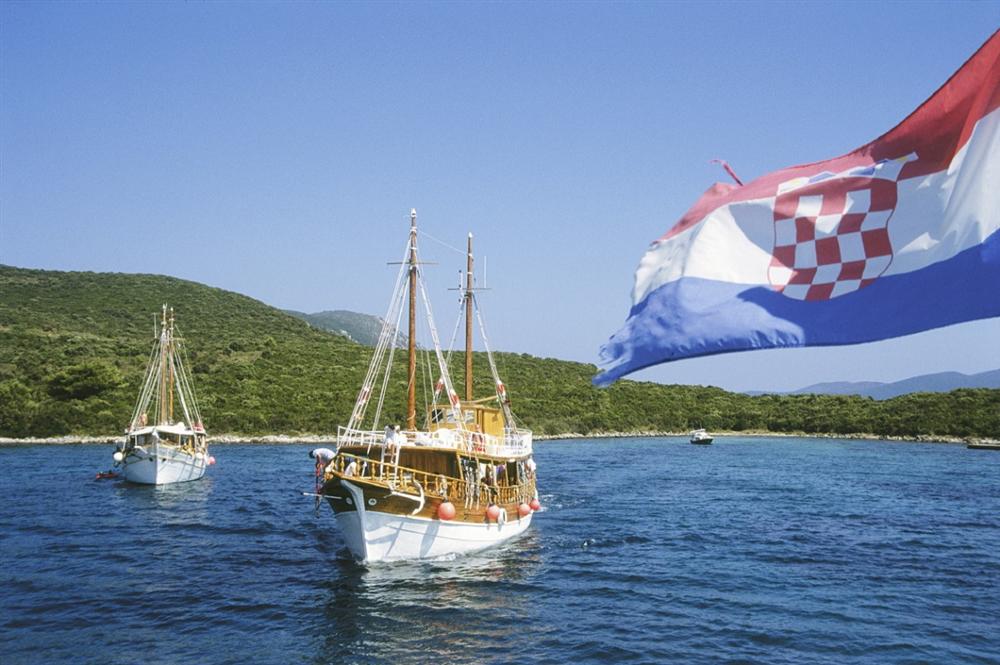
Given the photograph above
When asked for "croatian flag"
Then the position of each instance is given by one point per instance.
(898, 236)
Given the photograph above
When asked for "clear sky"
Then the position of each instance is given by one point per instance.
(275, 149)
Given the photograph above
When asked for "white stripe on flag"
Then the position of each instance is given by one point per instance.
(936, 217)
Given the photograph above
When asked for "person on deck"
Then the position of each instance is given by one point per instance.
(391, 439)
(352, 469)
(322, 457)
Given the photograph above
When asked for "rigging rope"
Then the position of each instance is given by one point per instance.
(453, 399)
(183, 360)
(180, 392)
(442, 242)
(388, 367)
(429, 378)
(451, 347)
(361, 403)
(149, 380)
(500, 389)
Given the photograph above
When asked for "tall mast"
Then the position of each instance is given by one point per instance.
(468, 323)
(411, 396)
(170, 364)
(162, 417)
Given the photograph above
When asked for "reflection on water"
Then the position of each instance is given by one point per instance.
(750, 550)
(442, 609)
(191, 498)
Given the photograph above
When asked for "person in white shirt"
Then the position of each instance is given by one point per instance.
(322, 457)
(324, 454)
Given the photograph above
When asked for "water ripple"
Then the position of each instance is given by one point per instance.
(748, 551)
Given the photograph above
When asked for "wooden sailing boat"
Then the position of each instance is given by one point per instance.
(169, 450)
(461, 480)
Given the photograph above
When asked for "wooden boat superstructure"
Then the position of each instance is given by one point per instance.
(163, 448)
(462, 482)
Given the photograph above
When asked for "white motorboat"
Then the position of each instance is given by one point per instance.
(700, 437)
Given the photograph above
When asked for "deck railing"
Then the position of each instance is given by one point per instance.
(514, 443)
(412, 481)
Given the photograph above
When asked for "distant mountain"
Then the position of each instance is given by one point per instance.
(361, 328)
(839, 388)
(940, 382)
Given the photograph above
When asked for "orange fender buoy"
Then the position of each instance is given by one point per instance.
(446, 511)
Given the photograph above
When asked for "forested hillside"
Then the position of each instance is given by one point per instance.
(73, 347)
(362, 328)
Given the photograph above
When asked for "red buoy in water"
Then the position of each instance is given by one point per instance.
(446, 511)
(211, 460)
(523, 509)
(493, 512)
(535, 504)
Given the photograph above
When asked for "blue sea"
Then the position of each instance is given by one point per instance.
(648, 550)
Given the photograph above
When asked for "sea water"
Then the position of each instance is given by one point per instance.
(648, 550)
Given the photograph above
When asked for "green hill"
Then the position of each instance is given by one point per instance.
(361, 328)
(73, 347)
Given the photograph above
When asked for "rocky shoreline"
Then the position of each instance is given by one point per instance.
(920, 438)
(275, 439)
(329, 439)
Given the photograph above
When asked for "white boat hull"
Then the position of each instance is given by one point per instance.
(375, 536)
(159, 465)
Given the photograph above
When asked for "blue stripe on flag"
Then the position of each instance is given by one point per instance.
(693, 317)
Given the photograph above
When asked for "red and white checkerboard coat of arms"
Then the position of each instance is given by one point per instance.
(831, 231)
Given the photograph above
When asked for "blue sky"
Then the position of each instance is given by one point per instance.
(276, 149)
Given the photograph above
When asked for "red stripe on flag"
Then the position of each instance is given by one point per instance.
(936, 131)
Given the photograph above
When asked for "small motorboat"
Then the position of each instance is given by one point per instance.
(700, 437)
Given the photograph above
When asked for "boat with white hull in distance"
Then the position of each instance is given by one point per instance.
(461, 481)
(700, 437)
(173, 449)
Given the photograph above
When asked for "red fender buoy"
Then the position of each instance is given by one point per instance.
(446, 511)
(523, 509)
(493, 512)
(535, 504)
